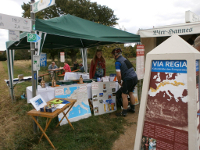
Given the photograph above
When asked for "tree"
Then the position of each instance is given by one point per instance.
(80, 8)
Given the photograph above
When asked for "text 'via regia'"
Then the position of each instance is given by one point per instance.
(170, 63)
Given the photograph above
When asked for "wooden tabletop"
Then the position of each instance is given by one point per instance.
(53, 114)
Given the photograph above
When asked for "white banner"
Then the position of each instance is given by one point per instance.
(62, 56)
(140, 61)
(181, 29)
(15, 23)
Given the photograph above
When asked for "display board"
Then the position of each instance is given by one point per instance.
(81, 108)
(103, 97)
(166, 118)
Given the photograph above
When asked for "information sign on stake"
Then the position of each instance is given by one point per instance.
(42, 4)
(36, 62)
(13, 35)
(15, 23)
(31, 37)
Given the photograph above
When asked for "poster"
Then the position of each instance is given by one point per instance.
(43, 59)
(140, 61)
(103, 97)
(81, 108)
(62, 56)
(166, 118)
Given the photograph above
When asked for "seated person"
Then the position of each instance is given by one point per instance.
(66, 67)
(81, 68)
(76, 66)
(52, 66)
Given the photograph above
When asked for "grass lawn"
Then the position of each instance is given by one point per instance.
(93, 133)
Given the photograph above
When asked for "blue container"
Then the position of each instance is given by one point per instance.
(98, 79)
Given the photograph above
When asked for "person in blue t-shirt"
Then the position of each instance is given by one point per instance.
(127, 79)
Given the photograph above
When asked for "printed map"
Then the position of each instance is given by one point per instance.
(81, 108)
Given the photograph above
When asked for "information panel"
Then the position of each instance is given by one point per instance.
(104, 97)
(166, 118)
(15, 23)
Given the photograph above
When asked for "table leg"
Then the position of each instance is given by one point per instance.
(47, 125)
(68, 120)
(43, 132)
(65, 115)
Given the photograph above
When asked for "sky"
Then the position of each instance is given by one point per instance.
(133, 15)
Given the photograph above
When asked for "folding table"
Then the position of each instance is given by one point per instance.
(52, 115)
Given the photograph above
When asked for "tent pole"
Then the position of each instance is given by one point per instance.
(85, 59)
(9, 75)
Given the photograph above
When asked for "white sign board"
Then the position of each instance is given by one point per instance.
(140, 61)
(42, 4)
(38, 102)
(13, 35)
(36, 62)
(191, 17)
(15, 23)
(62, 56)
(180, 29)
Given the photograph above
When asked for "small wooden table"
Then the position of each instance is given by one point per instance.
(52, 115)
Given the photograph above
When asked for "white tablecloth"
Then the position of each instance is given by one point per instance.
(46, 93)
(75, 75)
(49, 92)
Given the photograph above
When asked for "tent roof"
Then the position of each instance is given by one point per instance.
(174, 45)
(73, 32)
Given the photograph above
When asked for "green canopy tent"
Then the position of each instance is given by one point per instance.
(69, 31)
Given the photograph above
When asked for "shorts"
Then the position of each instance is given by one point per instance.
(129, 85)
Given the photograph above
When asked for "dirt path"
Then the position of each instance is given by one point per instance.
(126, 141)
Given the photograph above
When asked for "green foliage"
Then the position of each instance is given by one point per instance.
(128, 52)
(80, 8)
(3, 56)
(22, 55)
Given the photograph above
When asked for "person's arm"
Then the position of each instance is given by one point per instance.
(105, 69)
(91, 69)
(118, 72)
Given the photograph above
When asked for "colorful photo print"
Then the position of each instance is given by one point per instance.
(96, 109)
(104, 105)
(113, 106)
(95, 99)
(104, 86)
(104, 91)
(100, 94)
(113, 94)
(95, 95)
(113, 89)
(148, 143)
(109, 96)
